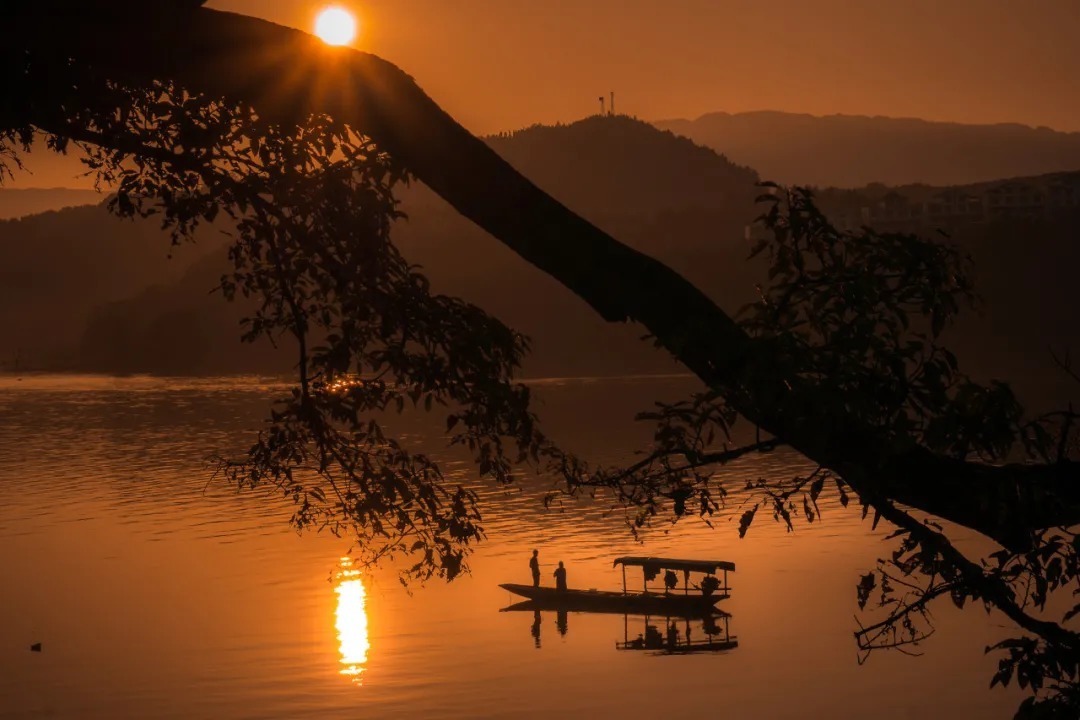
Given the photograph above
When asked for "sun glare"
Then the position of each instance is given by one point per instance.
(335, 26)
(351, 621)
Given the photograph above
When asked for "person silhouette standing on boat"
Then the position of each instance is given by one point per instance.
(534, 565)
(560, 577)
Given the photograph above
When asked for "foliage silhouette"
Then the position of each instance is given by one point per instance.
(839, 358)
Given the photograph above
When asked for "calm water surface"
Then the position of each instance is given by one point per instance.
(158, 595)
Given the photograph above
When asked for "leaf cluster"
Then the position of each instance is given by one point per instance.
(309, 211)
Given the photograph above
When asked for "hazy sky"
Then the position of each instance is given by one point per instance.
(504, 64)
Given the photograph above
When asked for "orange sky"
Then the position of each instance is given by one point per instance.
(504, 64)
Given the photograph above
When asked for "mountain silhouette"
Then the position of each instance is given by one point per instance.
(57, 266)
(115, 304)
(20, 202)
(854, 150)
(614, 164)
(640, 183)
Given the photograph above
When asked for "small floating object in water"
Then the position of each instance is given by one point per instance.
(36, 647)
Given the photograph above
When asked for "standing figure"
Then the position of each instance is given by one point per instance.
(560, 577)
(534, 565)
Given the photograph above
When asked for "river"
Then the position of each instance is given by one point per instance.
(158, 592)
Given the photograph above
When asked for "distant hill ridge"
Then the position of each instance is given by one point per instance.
(77, 288)
(20, 202)
(617, 163)
(857, 150)
(651, 189)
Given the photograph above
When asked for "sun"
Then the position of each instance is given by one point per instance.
(335, 26)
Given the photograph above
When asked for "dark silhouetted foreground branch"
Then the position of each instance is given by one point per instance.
(287, 76)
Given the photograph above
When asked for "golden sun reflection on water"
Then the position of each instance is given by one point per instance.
(351, 621)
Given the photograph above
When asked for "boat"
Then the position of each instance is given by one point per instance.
(670, 601)
(607, 601)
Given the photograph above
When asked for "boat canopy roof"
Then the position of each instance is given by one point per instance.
(657, 563)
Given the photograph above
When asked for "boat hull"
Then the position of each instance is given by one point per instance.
(606, 601)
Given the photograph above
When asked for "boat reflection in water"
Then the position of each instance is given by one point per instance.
(662, 634)
(682, 635)
(351, 621)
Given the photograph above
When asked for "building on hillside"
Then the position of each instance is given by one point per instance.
(955, 207)
(1046, 197)
(894, 212)
(1015, 200)
(1063, 192)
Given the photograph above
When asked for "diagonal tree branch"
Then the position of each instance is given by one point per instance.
(287, 75)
